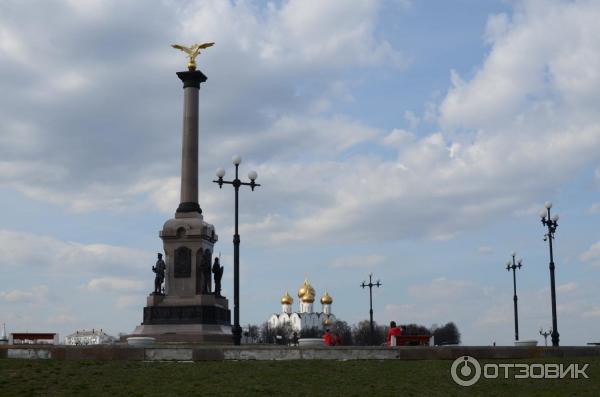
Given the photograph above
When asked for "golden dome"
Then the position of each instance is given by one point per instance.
(326, 299)
(287, 299)
(327, 321)
(309, 297)
(301, 292)
(306, 293)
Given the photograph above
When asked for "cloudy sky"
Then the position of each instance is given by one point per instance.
(415, 140)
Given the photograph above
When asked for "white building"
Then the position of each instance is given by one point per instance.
(86, 337)
(305, 317)
(3, 338)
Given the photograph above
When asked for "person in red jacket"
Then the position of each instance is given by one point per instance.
(393, 331)
(328, 338)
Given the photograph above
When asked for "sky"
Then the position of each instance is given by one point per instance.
(414, 140)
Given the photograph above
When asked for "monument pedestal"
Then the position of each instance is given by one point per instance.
(188, 311)
(200, 319)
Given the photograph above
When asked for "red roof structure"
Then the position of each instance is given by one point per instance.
(32, 337)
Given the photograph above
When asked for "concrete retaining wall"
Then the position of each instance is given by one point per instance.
(257, 352)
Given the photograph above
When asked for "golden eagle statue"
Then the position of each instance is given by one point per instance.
(192, 52)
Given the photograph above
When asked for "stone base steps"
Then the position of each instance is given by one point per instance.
(266, 352)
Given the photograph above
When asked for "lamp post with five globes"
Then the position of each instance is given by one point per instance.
(551, 223)
(252, 175)
(515, 265)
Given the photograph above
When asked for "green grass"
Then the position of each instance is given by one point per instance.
(272, 378)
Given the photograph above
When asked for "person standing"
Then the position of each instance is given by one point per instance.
(395, 332)
(328, 338)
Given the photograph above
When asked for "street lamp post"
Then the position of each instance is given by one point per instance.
(514, 266)
(551, 223)
(371, 285)
(252, 175)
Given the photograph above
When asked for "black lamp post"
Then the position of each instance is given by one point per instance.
(371, 285)
(552, 224)
(252, 175)
(515, 265)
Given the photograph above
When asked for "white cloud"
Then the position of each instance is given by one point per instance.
(294, 33)
(517, 111)
(592, 312)
(62, 318)
(110, 284)
(592, 254)
(366, 261)
(485, 250)
(530, 65)
(12, 46)
(130, 301)
(529, 211)
(435, 186)
(275, 43)
(495, 315)
(443, 289)
(412, 119)
(438, 185)
(37, 294)
(398, 138)
(16, 251)
(13, 172)
(471, 306)
(568, 287)
(496, 28)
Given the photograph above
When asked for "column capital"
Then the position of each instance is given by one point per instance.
(189, 207)
(192, 78)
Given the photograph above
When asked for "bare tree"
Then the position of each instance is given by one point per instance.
(252, 333)
(361, 334)
(280, 334)
(415, 329)
(447, 335)
(344, 331)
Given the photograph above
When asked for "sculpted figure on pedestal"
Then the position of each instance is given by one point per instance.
(159, 269)
(217, 270)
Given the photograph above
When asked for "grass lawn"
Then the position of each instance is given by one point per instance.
(273, 378)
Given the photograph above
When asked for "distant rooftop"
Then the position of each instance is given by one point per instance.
(92, 332)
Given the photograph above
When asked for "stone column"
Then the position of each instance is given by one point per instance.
(189, 146)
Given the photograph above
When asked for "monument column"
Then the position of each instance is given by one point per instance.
(189, 145)
(187, 310)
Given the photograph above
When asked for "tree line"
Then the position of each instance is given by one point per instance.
(355, 335)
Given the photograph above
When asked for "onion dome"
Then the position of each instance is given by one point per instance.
(309, 296)
(287, 299)
(302, 290)
(327, 322)
(326, 299)
(306, 292)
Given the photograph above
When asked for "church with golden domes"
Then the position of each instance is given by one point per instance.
(305, 317)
